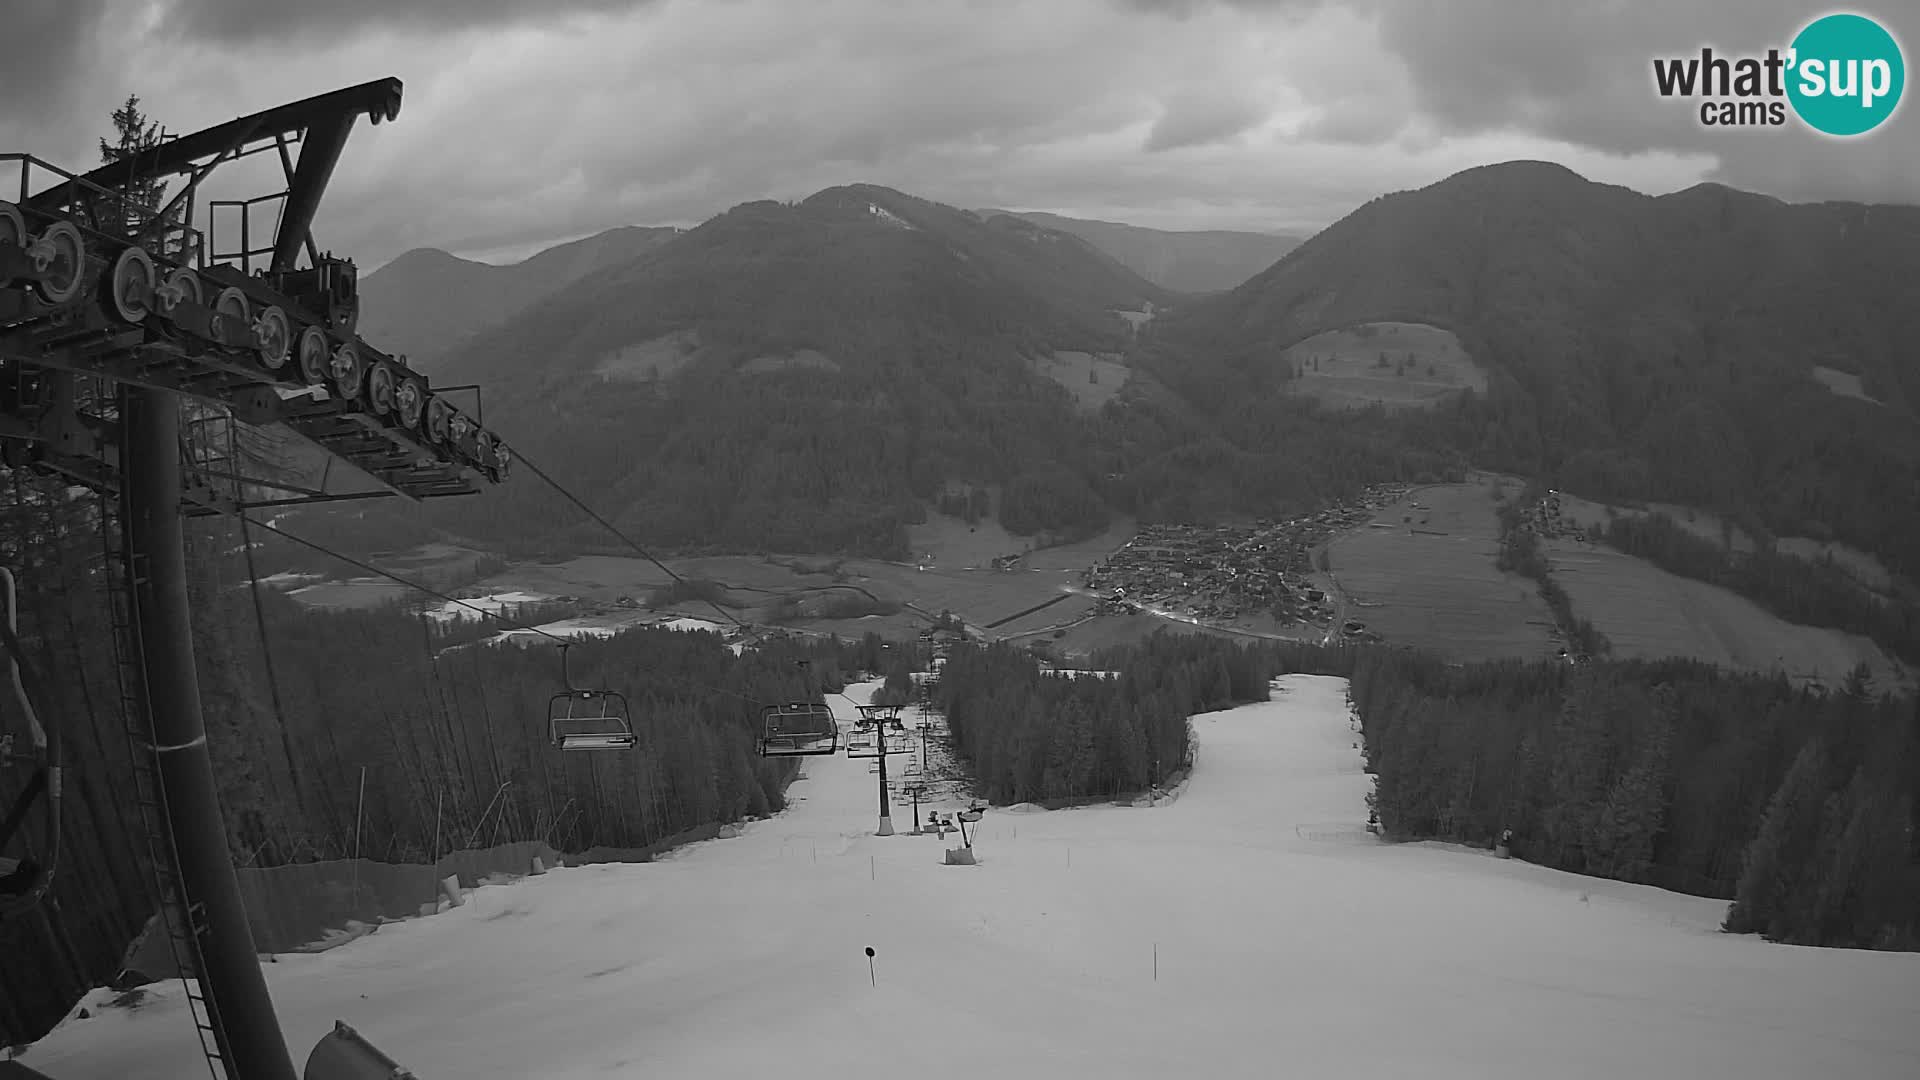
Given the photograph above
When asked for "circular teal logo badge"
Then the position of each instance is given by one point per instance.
(1846, 75)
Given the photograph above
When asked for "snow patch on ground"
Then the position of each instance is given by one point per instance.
(1221, 936)
(890, 217)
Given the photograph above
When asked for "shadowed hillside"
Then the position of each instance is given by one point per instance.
(1640, 347)
(426, 302)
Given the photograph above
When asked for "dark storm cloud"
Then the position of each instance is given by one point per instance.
(45, 54)
(527, 124)
(261, 20)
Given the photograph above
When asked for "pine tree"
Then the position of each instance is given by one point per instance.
(133, 133)
(1636, 806)
(1772, 875)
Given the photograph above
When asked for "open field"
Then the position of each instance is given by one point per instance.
(649, 360)
(1647, 612)
(1349, 376)
(1072, 608)
(437, 566)
(1108, 631)
(1859, 565)
(355, 593)
(1092, 379)
(977, 594)
(1438, 589)
(955, 545)
(1585, 513)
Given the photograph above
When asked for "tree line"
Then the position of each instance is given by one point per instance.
(1032, 737)
(1520, 553)
(1801, 809)
(1800, 590)
(383, 733)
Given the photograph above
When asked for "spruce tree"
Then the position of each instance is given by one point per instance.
(143, 192)
(1772, 872)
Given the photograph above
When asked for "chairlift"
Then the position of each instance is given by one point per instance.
(799, 729)
(580, 719)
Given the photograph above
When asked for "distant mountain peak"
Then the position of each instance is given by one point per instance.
(1182, 261)
(427, 300)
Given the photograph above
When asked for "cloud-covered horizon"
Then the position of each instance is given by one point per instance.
(526, 125)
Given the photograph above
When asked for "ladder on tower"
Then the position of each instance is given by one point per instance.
(183, 920)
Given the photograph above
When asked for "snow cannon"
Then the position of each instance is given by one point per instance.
(345, 1055)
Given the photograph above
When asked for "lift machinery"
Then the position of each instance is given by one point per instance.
(115, 317)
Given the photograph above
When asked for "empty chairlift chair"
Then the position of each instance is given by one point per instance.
(580, 719)
(799, 729)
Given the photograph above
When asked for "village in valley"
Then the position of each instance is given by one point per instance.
(1226, 572)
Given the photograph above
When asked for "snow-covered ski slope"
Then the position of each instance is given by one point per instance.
(1288, 944)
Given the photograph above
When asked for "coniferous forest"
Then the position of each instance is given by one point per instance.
(1031, 737)
(1801, 809)
(384, 734)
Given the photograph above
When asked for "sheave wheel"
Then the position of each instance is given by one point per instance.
(347, 372)
(180, 285)
(380, 389)
(230, 311)
(130, 285)
(61, 257)
(13, 230)
(315, 364)
(273, 337)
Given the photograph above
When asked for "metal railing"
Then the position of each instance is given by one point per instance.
(104, 211)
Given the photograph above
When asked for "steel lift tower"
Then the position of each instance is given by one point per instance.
(115, 320)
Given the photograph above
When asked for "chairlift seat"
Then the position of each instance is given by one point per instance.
(799, 729)
(589, 741)
(590, 720)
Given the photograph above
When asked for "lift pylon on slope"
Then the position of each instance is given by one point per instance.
(111, 312)
(879, 721)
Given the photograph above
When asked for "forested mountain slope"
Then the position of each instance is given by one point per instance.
(1655, 348)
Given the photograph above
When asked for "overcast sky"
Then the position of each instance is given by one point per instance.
(528, 123)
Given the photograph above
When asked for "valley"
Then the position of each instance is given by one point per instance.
(1406, 566)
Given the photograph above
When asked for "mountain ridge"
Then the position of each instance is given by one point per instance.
(1185, 261)
(1643, 347)
(427, 300)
